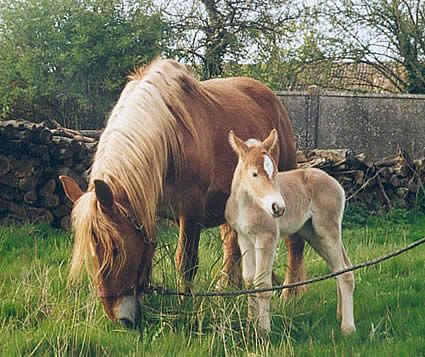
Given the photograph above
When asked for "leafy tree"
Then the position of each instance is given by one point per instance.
(216, 33)
(67, 60)
(290, 67)
(386, 34)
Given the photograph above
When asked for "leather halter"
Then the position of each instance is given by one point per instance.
(133, 222)
(135, 289)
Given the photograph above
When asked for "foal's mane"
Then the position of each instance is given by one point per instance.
(141, 137)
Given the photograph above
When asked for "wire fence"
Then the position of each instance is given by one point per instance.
(165, 291)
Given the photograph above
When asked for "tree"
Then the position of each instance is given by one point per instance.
(216, 32)
(386, 34)
(67, 60)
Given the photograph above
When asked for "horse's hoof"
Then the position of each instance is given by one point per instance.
(185, 286)
(223, 282)
(229, 281)
(293, 292)
(348, 330)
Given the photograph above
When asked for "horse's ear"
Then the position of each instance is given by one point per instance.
(270, 142)
(103, 193)
(71, 188)
(237, 144)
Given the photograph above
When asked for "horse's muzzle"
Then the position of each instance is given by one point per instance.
(128, 311)
(126, 323)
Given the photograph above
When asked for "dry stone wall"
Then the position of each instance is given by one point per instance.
(374, 124)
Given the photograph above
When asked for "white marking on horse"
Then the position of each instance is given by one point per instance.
(268, 166)
(253, 142)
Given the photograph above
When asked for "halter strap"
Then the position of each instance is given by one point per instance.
(103, 294)
(134, 290)
(133, 221)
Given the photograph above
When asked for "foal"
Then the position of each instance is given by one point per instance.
(265, 204)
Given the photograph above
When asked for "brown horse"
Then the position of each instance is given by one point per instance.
(164, 152)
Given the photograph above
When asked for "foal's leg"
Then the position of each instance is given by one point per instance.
(265, 250)
(338, 290)
(295, 266)
(187, 251)
(327, 242)
(247, 247)
(231, 271)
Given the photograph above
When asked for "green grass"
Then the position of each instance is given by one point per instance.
(41, 314)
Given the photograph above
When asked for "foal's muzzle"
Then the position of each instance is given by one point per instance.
(277, 210)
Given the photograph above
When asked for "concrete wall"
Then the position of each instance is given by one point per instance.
(376, 124)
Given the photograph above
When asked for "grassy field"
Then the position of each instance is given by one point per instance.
(41, 314)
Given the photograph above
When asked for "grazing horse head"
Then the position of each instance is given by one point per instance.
(256, 172)
(110, 241)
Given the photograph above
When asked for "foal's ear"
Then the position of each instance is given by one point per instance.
(238, 146)
(71, 188)
(270, 142)
(103, 193)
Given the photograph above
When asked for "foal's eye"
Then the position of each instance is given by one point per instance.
(254, 174)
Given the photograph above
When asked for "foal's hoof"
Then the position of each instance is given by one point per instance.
(258, 332)
(348, 330)
(263, 335)
(264, 331)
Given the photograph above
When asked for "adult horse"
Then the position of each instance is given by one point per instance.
(164, 151)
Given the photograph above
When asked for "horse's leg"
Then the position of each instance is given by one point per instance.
(231, 271)
(327, 242)
(265, 251)
(295, 266)
(187, 251)
(247, 247)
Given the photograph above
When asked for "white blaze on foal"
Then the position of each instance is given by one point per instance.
(307, 204)
(268, 166)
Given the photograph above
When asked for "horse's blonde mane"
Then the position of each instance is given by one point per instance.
(140, 139)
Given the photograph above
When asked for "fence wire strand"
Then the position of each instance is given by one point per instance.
(168, 292)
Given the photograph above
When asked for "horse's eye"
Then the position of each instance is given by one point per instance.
(254, 174)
